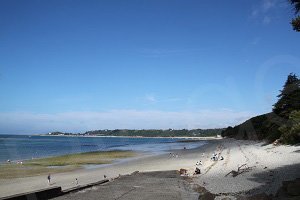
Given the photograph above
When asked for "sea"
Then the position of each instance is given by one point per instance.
(25, 147)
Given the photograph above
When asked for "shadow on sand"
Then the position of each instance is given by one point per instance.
(273, 179)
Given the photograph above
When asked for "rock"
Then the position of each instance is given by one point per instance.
(207, 196)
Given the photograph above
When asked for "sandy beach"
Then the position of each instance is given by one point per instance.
(266, 166)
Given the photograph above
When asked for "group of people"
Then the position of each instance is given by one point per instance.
(18, 162)
(173, 155)
(198, 163)
(216, 157)
(197, 170)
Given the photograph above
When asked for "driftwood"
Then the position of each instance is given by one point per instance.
(241, 169)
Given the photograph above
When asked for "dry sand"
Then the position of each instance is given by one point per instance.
(268, 166)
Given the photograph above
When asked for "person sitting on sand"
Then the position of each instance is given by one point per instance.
(197, 171)
(214, 157)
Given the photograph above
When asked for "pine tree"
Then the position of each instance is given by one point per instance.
(296, 21)
(289, 98)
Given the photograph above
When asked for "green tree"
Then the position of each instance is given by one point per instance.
(289, 98)
(291, 130)
(296, 21)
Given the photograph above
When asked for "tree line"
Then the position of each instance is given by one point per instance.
(149, 133)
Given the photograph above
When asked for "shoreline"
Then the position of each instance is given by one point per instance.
(112, 136)
(268, 166)
(109, 149)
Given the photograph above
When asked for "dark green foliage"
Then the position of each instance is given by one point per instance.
(289, 98)
(157, 132)
(296, 22)
(291, 129)
(296, 4)
(257, 128)
(149, 133)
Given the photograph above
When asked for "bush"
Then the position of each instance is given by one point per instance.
(291, 130)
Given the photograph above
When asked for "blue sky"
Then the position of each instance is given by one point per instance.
(77, 65)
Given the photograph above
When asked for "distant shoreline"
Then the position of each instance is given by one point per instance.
(112, 136)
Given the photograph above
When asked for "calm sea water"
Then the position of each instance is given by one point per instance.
(22, 147)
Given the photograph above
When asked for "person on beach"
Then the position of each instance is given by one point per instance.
(199, 163)
(197, 171)
(214, 157)
(49, 179)
(76, 181)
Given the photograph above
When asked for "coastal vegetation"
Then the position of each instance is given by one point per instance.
(59, 164)
(283, 123)
(150, 133)
(296, 21)
(158, 133)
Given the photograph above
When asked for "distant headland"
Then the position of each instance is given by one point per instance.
(146, 133)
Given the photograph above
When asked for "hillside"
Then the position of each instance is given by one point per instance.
(257, 128)
(283, 123)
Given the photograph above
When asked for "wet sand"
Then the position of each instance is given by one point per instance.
(266, 165)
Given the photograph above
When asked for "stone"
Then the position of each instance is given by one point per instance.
(207, 196)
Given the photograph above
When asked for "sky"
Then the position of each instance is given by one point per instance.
(79, 65)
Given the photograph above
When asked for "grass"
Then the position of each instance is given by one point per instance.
(60, 164)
